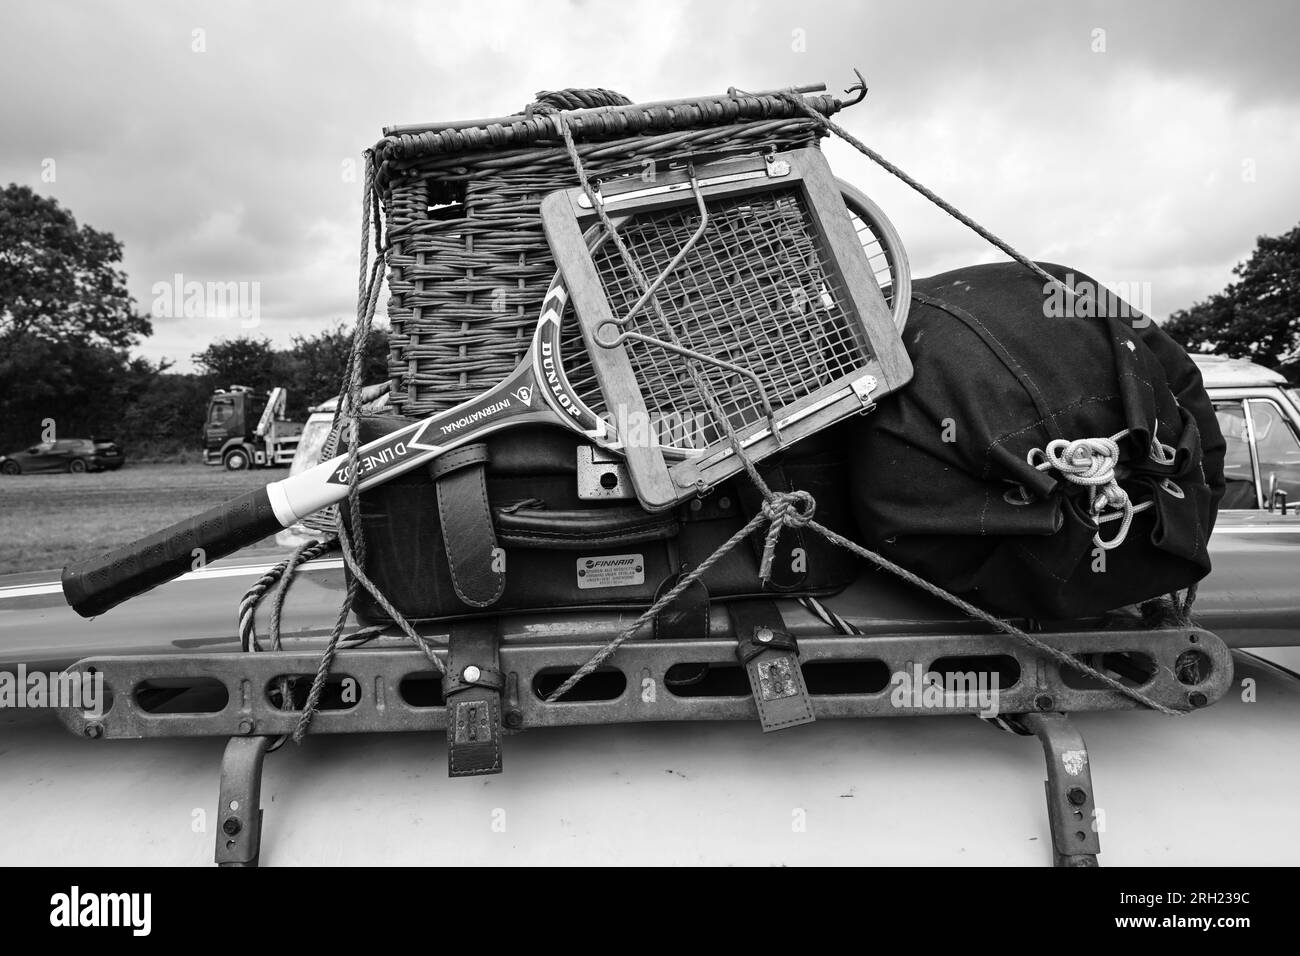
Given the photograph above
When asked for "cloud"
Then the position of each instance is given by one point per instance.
(1159, 159)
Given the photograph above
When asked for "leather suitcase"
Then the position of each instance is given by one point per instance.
(499, 527)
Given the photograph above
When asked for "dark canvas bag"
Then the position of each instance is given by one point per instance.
(431, 535)
(944, 483)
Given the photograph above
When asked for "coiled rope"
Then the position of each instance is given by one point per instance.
(1091, 462)
(548, 101)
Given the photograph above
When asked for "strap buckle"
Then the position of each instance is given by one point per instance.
(770, 656)
(472, 689)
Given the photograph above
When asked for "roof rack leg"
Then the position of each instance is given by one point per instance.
(239, 812)
(1070, 798)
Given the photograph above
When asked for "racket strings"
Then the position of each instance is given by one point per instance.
(757, 291)
(878, 257)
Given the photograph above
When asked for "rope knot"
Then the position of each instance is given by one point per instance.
(783, 509)
(1091, 462)
(793, 508)
(1084, 461)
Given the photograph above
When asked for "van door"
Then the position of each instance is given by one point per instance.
(1277, 453)
(1262, 464)
(217, 428)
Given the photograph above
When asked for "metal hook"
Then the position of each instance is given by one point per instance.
(859, 87)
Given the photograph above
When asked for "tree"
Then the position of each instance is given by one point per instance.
(60, 281)
(166, 415)
(315, 365)
(312, 368)
(241, 361)
(66, 321)
(1256, 317)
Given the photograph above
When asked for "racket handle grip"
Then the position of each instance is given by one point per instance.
(94, 586)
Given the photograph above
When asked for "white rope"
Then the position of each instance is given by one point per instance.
(1091, 462)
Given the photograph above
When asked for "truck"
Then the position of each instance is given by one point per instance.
(248, 429)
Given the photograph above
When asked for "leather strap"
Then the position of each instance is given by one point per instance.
(770, 657)
(472, 690)
(466, 520)
(687, 617)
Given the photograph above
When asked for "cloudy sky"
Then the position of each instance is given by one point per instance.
(1141, 142)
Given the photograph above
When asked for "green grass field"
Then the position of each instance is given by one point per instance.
(48, 520)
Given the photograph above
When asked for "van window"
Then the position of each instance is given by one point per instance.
(1263, 453)
(1277, 449)
(311, 443)
(1238, 468)
(222, 412)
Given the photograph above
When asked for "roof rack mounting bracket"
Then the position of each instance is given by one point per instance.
(239, 807)
(1071, 801)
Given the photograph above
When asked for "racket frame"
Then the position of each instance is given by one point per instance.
(664, 480)
(536, 392)
(883, 234)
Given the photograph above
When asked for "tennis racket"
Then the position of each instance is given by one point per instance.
(537, 392)
(559, 382)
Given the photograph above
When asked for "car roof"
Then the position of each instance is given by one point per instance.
(1221, 372)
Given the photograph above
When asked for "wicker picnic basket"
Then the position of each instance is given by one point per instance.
(468, 263)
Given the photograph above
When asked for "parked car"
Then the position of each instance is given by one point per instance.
(1259, 414)
(67, 454)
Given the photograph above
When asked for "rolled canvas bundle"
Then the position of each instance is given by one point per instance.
(1021, 428)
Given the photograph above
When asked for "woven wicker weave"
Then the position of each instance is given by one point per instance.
(468, 264)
